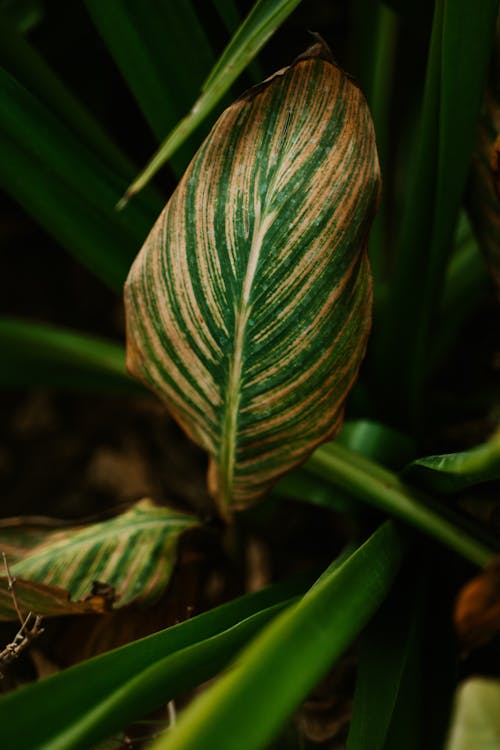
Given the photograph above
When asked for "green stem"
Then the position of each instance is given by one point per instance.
(381, 488)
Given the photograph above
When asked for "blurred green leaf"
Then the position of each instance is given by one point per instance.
(39, 354)
(275, 672)
(260, 24)
(134, 552)
(66, 187)
(81, 705)
(150, 43)
(476, 718)
(378, 442)
(458, 59)
(386, 657)
(375, 485)
(452, 472)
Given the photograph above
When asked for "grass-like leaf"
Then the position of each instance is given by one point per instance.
(457, 66)
(86, 703)
(386, 650)
(66, 186)
(483, 194)
(249, 306)
(260, 24)
(375, 485)
(277, 670)
(39, 354)
(134, 553)
(136, 34)
(453, 472)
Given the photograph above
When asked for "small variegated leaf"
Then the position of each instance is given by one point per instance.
(249, 306)
(134, 553)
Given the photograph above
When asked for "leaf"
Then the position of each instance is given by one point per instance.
(248, 308)
(386, 650)
(476, 719)
(39, 354)
(47, 601)
(483, 193)
(134, 553)
(280, 666)
(260, 24)
(86, 703)
(457, 67)
(375, 485)
(377, 441)
(163, 86)
(66, 187)
(452, 472)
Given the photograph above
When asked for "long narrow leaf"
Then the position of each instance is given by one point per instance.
(261, 23)
(66, 710)
(156, 71)
(39, 354)
(65, 186)
(457, 67)
(249, 305)
(379, 487)
(277, 670)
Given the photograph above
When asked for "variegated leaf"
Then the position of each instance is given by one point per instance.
(483, 194)
(249, 306)
(134, 553)
(46, 601)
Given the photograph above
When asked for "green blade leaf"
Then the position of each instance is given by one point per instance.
(91, 700)
(260, 24)
(476, 719)
(248, 307)
(65, 186)
(134, 552)
(457, 66)
(29, 68)
(39, 354)
(277, 670)
(483, 193)
(453, 472)
(386, 650)
(162, 84)
(373, 484)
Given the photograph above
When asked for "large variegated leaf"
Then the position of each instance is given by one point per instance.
(248, 308)
(46, 601)
(134, 553)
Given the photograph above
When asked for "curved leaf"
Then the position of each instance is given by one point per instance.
(134, 552)
(275, 672)
(87, 702)
(248, 308)
(452, 472)
(260, 24)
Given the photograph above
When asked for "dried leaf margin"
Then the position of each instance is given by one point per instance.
(134, 553)
(249, 306)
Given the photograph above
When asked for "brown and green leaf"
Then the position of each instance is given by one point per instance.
(131, 555)
(249, 306)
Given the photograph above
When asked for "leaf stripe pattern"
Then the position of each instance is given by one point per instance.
(249, 306)
(134, 552)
